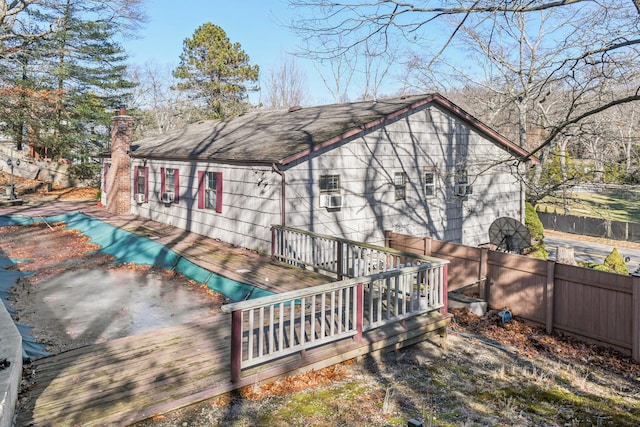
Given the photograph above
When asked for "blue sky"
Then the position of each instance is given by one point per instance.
(257, 25)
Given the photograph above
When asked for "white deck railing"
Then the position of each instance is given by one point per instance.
(272, 327)
(337, 256)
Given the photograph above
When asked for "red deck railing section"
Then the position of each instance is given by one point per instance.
(379, 286)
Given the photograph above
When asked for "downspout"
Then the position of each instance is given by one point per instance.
(523, 195)
(283, 195)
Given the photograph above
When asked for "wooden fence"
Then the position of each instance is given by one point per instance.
(596, 306)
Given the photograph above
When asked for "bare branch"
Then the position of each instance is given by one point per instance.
(561, 127)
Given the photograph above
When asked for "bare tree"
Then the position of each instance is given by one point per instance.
(286, 85)
(336, 72)
(607, 31)
(363, 71)
(158, 108)
(18, 28)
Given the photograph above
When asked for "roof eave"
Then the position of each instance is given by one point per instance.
(482, 128)
(355, 131)
(438, 99)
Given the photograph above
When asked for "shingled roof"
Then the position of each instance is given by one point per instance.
(282, 136)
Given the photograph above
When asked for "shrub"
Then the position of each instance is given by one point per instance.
(85, 171)
(533, 223)
(615, 262)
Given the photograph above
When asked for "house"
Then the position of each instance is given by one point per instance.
(417, 165)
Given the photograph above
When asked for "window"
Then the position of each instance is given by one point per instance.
(141, 181)
(329, 184)
(170, 182)
(400, 184)
(330, 196)
(429, 182)
(169, 179)
(461, 176)
(461, 187)
(210, 190)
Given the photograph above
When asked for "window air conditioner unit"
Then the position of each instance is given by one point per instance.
(167, 197)
(460, 190)
(331, 201)
(139, 198)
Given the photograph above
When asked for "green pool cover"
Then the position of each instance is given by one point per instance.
(129, 247)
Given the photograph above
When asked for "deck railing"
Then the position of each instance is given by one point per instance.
(340, 257)
(276, 326)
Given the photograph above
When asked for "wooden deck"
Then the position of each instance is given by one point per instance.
(130, 379)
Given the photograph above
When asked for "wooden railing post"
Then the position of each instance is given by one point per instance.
(340, 256)
(548, 295)
(236, 345)
(359, 311)
(445, 289)
(635, 319)
(273, 241)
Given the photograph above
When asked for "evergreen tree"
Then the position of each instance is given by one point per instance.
(216, 72)
(89, 67)
(65, 86)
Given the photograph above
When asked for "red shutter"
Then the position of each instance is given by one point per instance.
(146, 183)
(219, 192)
(200, 189)
(162, 183)
(176, 186)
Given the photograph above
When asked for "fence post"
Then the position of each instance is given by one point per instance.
(635, 319)
(548, 295)
(359, 311)
(427, 246)
(236, 345)
(483, 289)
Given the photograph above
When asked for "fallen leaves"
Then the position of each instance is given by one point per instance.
(531, 341)
(293, 384)
(28, 187)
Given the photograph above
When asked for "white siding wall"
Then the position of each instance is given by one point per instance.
(367, 166)
(249, 209)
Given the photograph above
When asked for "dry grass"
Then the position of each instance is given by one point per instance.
(490, 376)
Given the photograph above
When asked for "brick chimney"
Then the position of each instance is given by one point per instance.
(119, 175)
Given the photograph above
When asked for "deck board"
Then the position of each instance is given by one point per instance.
(121, 382)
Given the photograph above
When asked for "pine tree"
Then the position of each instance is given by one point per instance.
(89, 67)
(216, 72)
(65, 86)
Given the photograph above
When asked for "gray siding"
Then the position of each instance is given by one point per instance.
(367, 166)
(251, 203)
